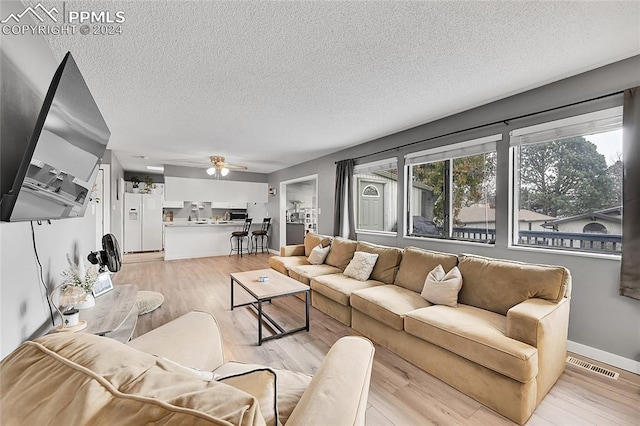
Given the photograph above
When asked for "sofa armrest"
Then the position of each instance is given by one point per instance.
(293, 250)
(337, 394)
(544, 325)
(192, 340)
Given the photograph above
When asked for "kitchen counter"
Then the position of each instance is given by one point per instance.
(185, 240)
(204, 224)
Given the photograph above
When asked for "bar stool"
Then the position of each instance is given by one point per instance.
(239, 237)
(261, 233)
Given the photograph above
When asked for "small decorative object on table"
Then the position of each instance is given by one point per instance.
(77, 276)
(263, 278)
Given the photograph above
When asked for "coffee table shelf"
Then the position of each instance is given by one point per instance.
(277, 286)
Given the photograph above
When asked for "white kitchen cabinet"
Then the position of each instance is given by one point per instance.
(173, 204)
(232, 193)
(228, 205)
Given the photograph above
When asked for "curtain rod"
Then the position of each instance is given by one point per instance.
(505, 121)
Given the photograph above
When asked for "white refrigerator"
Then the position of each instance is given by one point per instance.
(142, 222)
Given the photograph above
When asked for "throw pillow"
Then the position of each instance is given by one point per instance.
(361, 265)
(261, 384)
(318, 254)
(442, 289)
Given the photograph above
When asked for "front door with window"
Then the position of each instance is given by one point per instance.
(371, 205)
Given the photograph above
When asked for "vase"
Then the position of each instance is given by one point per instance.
(89, 302)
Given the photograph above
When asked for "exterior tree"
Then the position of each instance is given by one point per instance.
(473, 180)
(564, 178)
(615, 172)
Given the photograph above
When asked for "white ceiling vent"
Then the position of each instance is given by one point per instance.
(592, 367)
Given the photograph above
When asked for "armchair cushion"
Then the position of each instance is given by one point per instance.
(290, 385)
(259, 382)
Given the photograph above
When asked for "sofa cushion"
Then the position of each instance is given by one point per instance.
(117, 381)
(290, 385)
(387, 303)
(498, 285)
(477, 335)
(304, 273)
(442, 288)
(416, 264)
(388, 261)
(339, 287)
(311, 240)
(318, 255)
(282, 264)
(361, 265)
(341, 252)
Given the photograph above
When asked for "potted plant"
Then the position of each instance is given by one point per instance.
(149, 186)
(76, 275)
(135, 183)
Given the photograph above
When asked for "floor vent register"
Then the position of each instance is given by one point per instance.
(592, 367)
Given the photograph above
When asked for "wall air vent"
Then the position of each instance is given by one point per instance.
(592, 367)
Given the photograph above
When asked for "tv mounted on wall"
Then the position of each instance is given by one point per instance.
(61, 161)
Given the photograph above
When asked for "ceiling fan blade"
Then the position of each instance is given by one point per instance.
(231, 166)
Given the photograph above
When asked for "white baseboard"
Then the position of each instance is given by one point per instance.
(606, 357)
(276, 252)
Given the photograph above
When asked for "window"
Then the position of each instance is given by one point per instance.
(567, 183)
(451, 191)
(377, 200)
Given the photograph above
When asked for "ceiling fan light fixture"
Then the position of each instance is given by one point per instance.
(224, 171)
(211, 171)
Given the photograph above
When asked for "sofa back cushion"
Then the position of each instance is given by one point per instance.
(498, 285)
(85, 379)
(388, 261)
(311, 240)
(416, 265)
(341, 252)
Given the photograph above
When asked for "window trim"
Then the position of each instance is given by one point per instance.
(608, 121)
(446, 153)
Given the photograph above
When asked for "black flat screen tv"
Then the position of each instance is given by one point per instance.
(61, 160)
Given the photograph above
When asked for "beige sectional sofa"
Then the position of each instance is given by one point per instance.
(176, 374)
(504, 344)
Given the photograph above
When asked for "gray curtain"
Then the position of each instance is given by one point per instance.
(343, 217)
(630, 271)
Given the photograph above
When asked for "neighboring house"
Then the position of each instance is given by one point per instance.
(607, 221)
(484, 217)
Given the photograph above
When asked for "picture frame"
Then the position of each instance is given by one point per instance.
(103, 285)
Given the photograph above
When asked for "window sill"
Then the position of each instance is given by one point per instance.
(383, 233)
(444, 240)
(573, 253)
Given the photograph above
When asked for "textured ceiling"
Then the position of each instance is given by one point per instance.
(272, 84)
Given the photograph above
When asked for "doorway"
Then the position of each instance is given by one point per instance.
(298, 209)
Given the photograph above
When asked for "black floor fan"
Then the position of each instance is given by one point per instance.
(109, 256)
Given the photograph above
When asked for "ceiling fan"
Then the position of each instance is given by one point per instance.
(221, 166)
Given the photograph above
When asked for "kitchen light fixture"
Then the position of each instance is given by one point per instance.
(156, 168)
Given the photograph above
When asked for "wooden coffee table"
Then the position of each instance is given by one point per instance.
(279, 285)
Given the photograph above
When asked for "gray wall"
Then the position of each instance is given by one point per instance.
(600, 318)
(200, 173)
(27, 68)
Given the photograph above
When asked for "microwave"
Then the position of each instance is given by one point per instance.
(238, 215)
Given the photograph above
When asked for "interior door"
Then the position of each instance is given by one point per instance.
(370, 205)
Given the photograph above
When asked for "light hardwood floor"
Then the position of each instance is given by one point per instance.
(400, 394)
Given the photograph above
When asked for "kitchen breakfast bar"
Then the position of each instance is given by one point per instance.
(184, 240)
